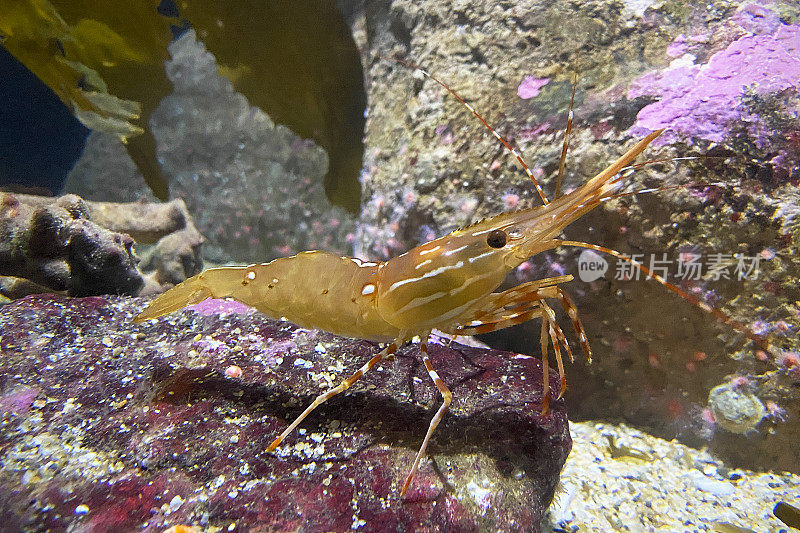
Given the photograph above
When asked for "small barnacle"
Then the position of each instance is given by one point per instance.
(735, 408)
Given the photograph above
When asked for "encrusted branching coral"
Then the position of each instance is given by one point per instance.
(86, 248)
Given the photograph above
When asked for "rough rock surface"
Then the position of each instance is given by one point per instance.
(106, 173)
(86, 248)
(721, 75)
(621, 479)
(109, 425)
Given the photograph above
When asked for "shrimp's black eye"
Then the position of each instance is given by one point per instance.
(496, 238)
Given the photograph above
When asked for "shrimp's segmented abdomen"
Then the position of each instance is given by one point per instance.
(312, 289)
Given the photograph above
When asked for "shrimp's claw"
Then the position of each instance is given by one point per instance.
(213, 283)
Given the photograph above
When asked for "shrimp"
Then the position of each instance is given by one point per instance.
(446, 284)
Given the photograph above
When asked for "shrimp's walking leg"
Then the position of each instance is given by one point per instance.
(526, 294)
(521, 304)
(500, 320)
(543, 338)
(446, 394)
(572, 311)
(518, 316)
(344, 385)
(529, 291)
(509, 308)
(555, 335)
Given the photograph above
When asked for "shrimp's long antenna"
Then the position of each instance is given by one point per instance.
(511, 149)
(661, 189)
(637, 166)
(562, 163)
(648, 191)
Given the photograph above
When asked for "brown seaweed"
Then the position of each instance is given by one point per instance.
(105, 61)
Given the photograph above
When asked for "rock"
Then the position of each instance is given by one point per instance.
(660, 485)
(712, 486)
(86, 248)
(111, 425)
(105, 172)
(255, 188)
(175, 253)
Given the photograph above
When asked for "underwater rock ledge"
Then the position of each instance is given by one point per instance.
(110, 425)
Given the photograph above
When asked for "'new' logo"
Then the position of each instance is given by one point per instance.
(591, 266)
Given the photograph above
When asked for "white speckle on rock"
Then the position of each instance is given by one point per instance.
(481, 495)
(175, 503)
(637, 7)
(712, 486)
(82, 509)
(69, 406)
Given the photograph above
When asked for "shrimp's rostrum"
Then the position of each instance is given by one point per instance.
(446, 284)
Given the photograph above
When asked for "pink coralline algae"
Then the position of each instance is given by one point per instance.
(704, 101)
(531, 86)
(757, 19)
(213, 306)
